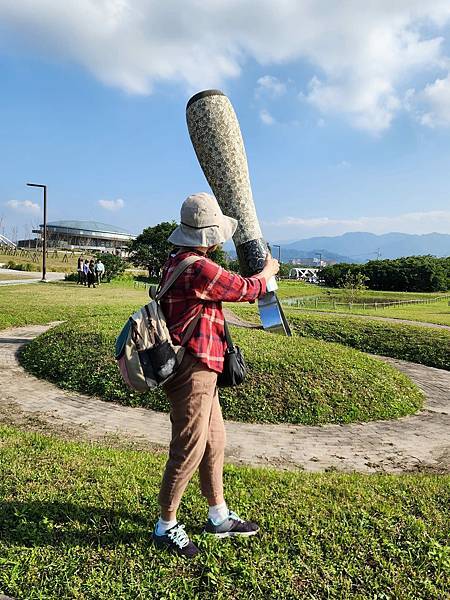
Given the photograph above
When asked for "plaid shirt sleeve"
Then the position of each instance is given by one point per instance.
(212, 282)
(201, 289)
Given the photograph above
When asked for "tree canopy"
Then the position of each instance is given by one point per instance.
(150, 249)
(407, 274)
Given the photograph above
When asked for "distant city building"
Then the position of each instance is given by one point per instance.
(309, 262)
(82, 235)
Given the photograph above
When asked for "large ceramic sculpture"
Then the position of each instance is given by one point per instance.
(217, 140)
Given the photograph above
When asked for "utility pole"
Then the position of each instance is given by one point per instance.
(378, 253)
(44, 249)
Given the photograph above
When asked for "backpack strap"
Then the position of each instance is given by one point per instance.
(190, 330)
(182, 266)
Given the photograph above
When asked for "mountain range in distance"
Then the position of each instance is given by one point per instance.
(359, 247)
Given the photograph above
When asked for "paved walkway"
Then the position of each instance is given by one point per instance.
(417, 442)
(370, 317)
(26, 277)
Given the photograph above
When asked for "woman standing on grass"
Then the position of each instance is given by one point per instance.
(198, 433)
(91, 273)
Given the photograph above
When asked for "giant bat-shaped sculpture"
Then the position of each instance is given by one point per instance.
(217, 140)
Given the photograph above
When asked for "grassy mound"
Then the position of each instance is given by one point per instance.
(76, 521)
(293, 380)
(423, 345)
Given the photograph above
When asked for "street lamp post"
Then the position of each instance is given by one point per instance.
(44, 249)
(279, 251)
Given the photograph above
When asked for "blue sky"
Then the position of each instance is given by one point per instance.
(345, 112)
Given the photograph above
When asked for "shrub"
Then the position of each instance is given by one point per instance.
(114, 266)
(423, 345)
(292, 380)
(71, 277)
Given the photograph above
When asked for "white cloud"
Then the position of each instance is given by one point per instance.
(436, 97)
(112, 205)
(364, 54)
(416, 222)
(266, 117)
(269, 86)
(25, 206)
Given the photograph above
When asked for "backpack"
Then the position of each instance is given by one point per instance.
(145, 354)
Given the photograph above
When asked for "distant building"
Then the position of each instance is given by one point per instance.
(309, 262)
(308, 274)
(82, 235)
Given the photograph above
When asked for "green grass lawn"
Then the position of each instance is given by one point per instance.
(76, 521)
(293, 380)
(53, 263)
(24, 275)
(45, 302)
(424, 345)
(435, 312)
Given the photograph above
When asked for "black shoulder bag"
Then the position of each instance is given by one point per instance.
(234, 368)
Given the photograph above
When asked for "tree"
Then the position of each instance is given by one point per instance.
(353, 284)
(150, 249)
(114, 265)
(233, 265)
(220, 257)
(284, 269)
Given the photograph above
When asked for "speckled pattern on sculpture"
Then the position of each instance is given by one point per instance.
(217, 140)
(251, 256)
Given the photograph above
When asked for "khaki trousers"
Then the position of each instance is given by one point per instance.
(198, 434)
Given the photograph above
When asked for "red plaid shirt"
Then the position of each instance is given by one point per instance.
(202, 287)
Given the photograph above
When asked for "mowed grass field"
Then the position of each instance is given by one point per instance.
(76, 518)
(12, 276)
(76, 521)
(58, 301)
(54, 262)
(44, 302)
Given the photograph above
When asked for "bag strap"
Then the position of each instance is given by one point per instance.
(182, 266)
(230, 345)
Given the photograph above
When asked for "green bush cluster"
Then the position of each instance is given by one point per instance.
(407, 274)
(423, 345)
(293, 380)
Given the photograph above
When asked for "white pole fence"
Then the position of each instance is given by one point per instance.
(322, 302)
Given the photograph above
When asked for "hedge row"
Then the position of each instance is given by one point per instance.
(423, 345)
(293, 380)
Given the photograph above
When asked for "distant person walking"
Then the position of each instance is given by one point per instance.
(80, 270)
(91, 273)
(99, 270)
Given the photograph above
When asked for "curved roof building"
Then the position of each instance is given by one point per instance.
(86, 235)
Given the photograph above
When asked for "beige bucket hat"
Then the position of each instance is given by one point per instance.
(202, 223)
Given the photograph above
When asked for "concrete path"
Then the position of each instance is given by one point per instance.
(370, 317)
(26, 277)
(417, 442)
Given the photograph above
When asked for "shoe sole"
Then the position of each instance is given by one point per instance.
(232, 533)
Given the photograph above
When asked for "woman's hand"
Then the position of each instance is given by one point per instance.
(270, 269)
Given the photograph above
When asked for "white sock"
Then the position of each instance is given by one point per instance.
(162, 526)
(218, 513)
